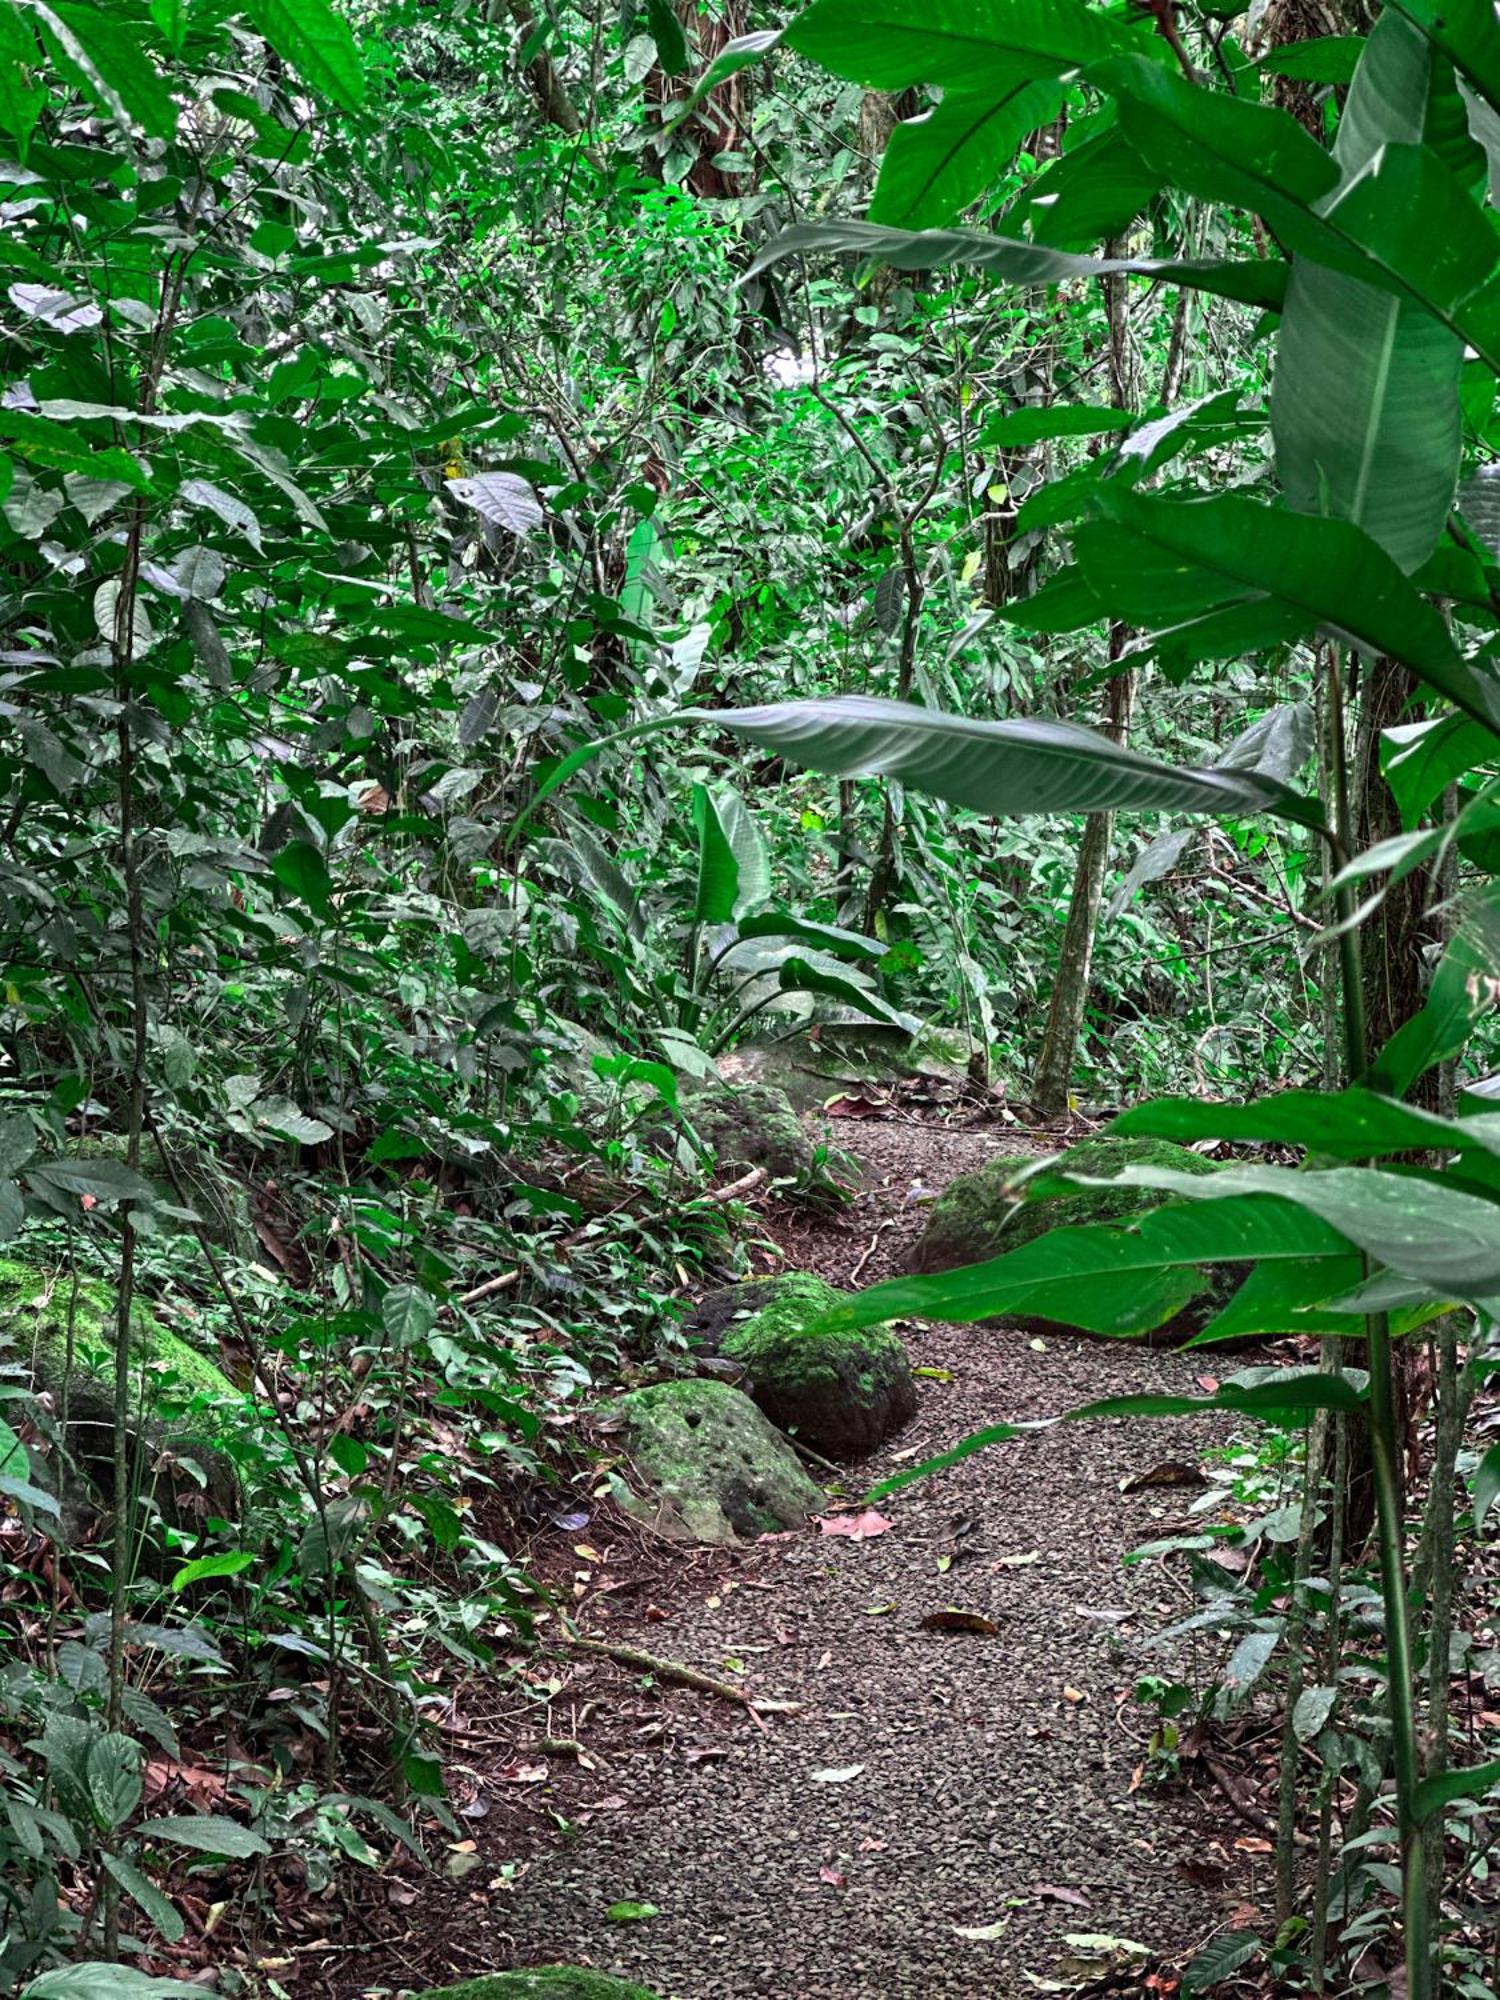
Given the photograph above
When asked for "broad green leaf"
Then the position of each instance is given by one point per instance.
(408, 1314)
(1325, 59)
(1420, 1229)
(145, 1894)
(105, 1181)
(1258, 284)
(1449, 1786)
(805, 975)
(106, 1982)
(318, 44)
(112, 1777)
(1012, 428)
(1405, 223)
(231, 1563)
(1462, 990)
(62, 447)
(1365, 410)
(825, 937)
(1108, 1280)
(734, 864)
(937, 164)
(1353, 1124)
(735, 55)
(667, 33)
(303, 873)
(106, 58)
(210, 1833)
(1164, 564)
(1485, 1486)
(1093, 192)
(1254, 1392)
(1419, 760)
(955, 1455)
(1028, 765)
(1467, 33)
(1311, 1711)
(969, 45)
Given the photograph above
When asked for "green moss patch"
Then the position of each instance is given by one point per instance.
(715, 1468)
(842, 1393)
(36, 1307)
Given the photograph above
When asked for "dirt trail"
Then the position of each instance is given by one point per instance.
(934, 1782)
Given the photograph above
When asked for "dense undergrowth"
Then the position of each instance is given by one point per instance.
(410, 417)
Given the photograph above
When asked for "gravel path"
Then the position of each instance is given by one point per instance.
(934, 1782)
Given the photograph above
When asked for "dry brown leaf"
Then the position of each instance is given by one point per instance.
(953, 1620)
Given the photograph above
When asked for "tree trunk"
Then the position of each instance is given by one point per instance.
(1054, 1069)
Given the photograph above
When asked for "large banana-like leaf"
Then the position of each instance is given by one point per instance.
(1364, 409)
(734, 866)
(1109, 1280)
(1467, 33)
(1029, 765)
(1162, 563)
(1405, 224)
(969, 45)
(1353, 1124)
(1420, 1229)
(935, 165)
(1255, 283)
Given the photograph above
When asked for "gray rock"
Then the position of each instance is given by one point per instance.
(751, 1126)
(716, 1469)
(842, 1392)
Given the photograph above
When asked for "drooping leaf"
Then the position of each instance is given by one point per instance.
(1261, 283)
(100, 53)
(959, 44)
(209, 1833)
(1447, 1787)
(667, 33)
(1352, 1124)
(1365, 409)
(936, 165)
(147, 1897)
(1026, 765)
(734, 864)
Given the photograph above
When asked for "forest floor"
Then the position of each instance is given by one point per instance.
(947, 1809)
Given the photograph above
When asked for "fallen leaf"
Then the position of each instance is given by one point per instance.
(1250, 1845)
(826, 1661)
(879, 1610)
(839, 1775)
(935, 1374)
(1168, 1472)
(588, 1554)
(1101, 1941)
(1051, 1892)
(833, 1878)
(984, 1933)
(522, 1774)
(868, 1846)
(631, 1913)
(1019, 1562)
(858, 1527)
(458, 1866)
(951, 1620)
(571, 1521)
(707, 1756)
(1207, 1383)
(1074, 1694)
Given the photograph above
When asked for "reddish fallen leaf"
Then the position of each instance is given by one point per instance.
(847, 1105)
(1208, 1384)
(1074, 1695)
(868, 1846)
(833, 1878)
(951, 1620)
(522, 1774)
(858, 1527)
(655, 1615)
(1052, 1892)
(1249, 1845)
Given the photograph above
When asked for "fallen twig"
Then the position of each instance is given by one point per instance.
(674, 1671)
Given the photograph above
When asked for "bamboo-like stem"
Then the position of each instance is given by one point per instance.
(1384, 1444)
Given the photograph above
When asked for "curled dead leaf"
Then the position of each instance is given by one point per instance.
(951, 1619)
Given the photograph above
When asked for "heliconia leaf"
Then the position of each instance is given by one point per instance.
(1467, 33)
(1259, 283)
(1157, 858)
(1109, 1280)
(1353, 1124)
(1025, 765)
(1324, 59)
(1364, 409)
(1435, 1233)
(1161, 563)
(667, 33)
(1461, 991)
(1419, 760)
(1012, 428)
(734, 864)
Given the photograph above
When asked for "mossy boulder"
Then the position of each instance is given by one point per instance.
(842, 1393)
(752, 1125)
(716, 1469)
(36, 1307)
(546, 1982)
(988, 1213)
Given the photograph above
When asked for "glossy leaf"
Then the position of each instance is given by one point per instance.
(734, 865)
(1365, 408)
(318, 43)
(937, 164)
(970, 45)
(1029, 765)
(1353, 1124)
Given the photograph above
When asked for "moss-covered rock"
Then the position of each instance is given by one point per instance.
(36, 1307)
(989, 1212)
(751, 1126)
(716, 1469)
(545, 1982)
(841, 1393)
